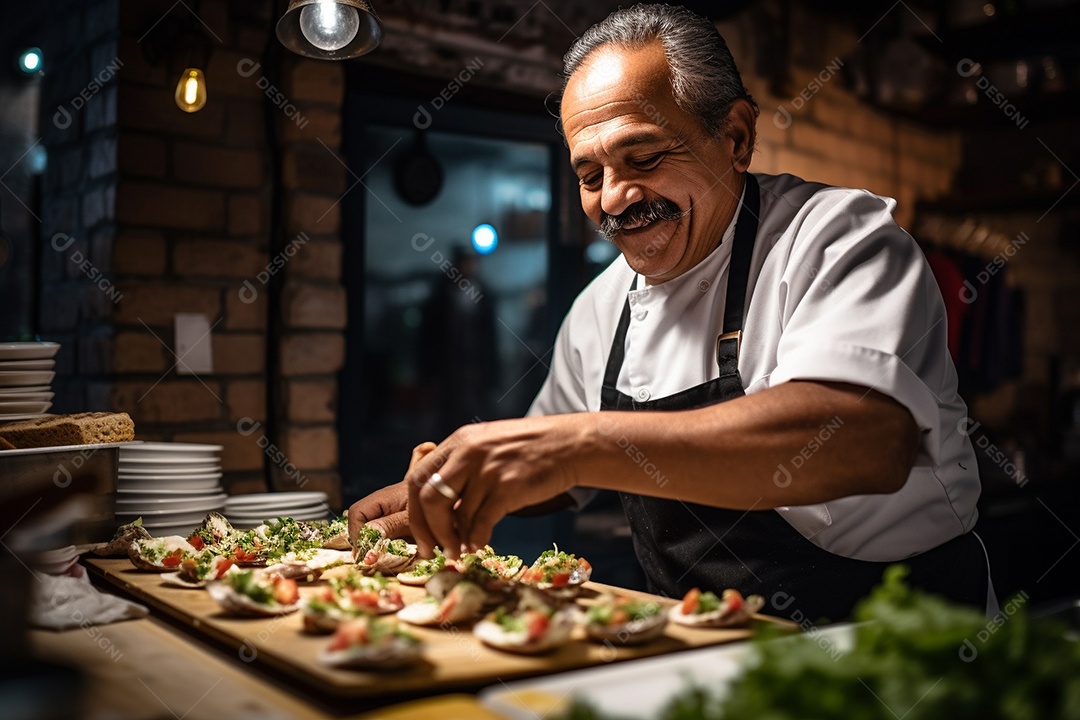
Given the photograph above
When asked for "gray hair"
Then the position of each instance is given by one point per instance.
(704, 79)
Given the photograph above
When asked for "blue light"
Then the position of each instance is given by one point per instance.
(485, 239)
(30, 61)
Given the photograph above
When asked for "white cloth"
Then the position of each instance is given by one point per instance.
(837, 292)
(62, 602)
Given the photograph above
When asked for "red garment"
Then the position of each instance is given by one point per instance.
(951, 282)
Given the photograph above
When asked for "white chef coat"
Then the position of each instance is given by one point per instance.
(837, 292)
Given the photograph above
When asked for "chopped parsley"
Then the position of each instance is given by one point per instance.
(622, 611)
(246, 583)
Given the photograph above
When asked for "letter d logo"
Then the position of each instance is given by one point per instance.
(782, 119)
(782, 477)
(62, 118)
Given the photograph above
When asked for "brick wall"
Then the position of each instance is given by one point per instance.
(178, 211)
(193, 232)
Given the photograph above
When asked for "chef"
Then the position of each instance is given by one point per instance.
(762, 374)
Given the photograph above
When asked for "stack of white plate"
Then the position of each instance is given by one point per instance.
(26, 371)
(247, 511)
(171, 486)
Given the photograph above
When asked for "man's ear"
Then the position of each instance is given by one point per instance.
(741, 129)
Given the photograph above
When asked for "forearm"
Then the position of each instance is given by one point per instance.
(796, 444)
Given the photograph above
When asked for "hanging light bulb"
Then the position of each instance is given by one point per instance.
(191, 90)
(329, 26)
(330, 29)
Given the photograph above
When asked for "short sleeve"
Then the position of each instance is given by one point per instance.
(860, 305)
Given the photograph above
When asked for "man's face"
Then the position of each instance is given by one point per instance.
(635, 150)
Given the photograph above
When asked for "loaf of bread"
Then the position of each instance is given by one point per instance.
(78, 429)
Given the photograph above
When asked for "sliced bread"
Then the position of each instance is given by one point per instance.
(77, 429)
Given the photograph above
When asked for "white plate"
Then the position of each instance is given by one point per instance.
(254, 500)
(247, 522)
(170, 480)
(27, 364)
(16, 393)
(16, 418)
(38, 397)
(635, 688)
(167, 462)
(136, 471)
(280, 510)
(28, 350)
(15, 407)
(58, 448)
(203, 503)
(155, 448)
(210, 484)
(19, 378)
(126, 494)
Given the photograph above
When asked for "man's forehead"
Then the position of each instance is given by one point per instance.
(615, 74)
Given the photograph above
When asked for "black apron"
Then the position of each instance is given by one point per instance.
(685, 545)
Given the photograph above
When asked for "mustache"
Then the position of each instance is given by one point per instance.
(640, 214)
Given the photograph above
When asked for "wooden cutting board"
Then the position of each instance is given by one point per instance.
(453, 660)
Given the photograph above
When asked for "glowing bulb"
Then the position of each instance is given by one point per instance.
(30, 61)
(191, 90)
(328, 25)
(484, 239)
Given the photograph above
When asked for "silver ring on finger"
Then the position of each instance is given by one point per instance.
(436, 481)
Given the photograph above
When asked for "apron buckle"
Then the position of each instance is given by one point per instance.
(736, 336)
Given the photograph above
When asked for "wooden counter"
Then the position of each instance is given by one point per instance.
(453, 661)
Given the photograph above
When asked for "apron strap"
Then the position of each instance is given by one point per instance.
(741, 253)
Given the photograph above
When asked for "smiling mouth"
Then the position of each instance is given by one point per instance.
(635, 228)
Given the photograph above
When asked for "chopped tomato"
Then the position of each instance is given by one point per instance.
(393, 597)
(536, 624)
(241, 555)
(350, 633)
(285, 590)
(172, 559)
(560, 579)
(223, 566)
(690, 601)
(327, 595)
(196, 542)
(368, 598)
(733, 599)
(619, 616)
(533, 575)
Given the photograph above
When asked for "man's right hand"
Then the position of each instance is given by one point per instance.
(387, 509)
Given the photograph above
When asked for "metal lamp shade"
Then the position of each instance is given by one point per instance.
(368, 36)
